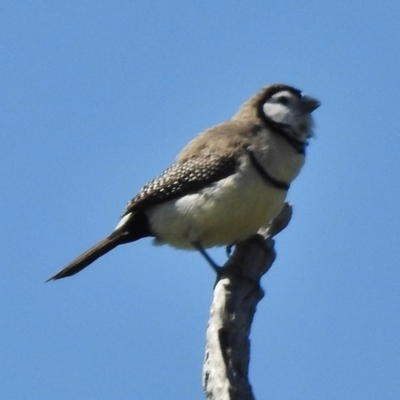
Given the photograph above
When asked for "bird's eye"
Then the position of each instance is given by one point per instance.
(283, 100)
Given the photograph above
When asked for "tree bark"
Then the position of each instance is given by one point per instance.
(236, 294)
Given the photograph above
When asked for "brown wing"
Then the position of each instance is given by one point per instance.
(183, 178)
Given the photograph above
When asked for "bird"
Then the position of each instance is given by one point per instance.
(227, 183)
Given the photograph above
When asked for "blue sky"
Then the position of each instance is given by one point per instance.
(97, 98)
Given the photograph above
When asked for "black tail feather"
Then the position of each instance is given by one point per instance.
(91, 255)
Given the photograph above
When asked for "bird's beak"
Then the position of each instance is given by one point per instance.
(309, 104)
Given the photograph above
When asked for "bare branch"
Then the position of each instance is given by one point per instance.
(236, 295)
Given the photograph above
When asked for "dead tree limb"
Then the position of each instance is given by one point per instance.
(236, 295)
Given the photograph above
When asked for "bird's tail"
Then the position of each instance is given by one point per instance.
(104, 246)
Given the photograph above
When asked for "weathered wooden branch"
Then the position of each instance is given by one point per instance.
(236, 295)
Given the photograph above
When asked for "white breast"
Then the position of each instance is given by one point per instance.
(229, 211)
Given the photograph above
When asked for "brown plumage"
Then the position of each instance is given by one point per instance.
(216, 154)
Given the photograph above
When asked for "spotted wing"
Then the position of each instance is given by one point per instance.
(183, 178)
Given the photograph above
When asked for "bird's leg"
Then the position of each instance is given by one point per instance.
(229, 249)
(217, 269)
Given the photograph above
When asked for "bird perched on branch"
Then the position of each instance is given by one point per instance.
(227, 183)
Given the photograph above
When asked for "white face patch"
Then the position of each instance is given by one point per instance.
(282, 107)
(285, 107)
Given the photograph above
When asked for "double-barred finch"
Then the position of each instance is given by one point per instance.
(226, 184)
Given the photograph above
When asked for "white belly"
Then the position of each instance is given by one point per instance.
(229, 211)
